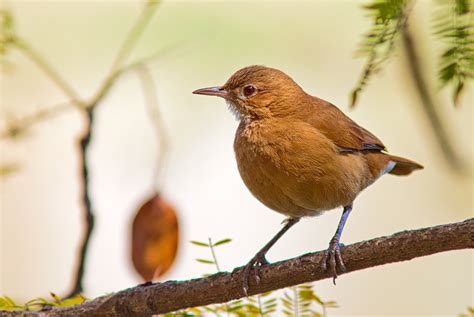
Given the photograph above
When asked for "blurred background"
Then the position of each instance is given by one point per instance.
(201, 44)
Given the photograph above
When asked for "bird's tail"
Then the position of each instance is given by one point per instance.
(403, 166)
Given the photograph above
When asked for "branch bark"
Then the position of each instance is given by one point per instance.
(174, 295)
(84, 147)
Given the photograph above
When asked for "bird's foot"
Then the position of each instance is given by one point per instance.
(333, 257)
(255, 263)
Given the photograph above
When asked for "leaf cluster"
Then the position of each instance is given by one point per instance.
(302, 301)
(453, 25)
(8, 169)
(40, 303)
(297, 301)
(470, 312)
(7, 34)
(388, 18)
(211, 245)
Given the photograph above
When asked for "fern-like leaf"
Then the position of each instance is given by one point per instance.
(389, 17)
(454, 26)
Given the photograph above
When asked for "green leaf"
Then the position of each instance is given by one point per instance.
(448, 72)
(9, 301)
(457, 93)
(55, 297)
(77, 299)
(388, 19)
(454, 27)
(331, 304)
(199, 243)
(205, 261)
(221, 242)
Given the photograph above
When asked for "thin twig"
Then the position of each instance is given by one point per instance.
(17, 127)
(49, 70)
(134, 34)
(151, 100)
(160, 54)
(124, 52)
(214, 255)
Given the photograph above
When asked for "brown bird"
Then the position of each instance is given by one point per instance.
(300, 155)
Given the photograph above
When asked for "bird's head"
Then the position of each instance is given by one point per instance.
(256, 92)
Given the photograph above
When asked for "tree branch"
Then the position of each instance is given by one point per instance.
(88, 212)
(49, 70)
(222, 287)
(130, 41)
(18, 127)
(151, 100)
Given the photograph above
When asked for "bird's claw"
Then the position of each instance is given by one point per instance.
(333, 257)
(255, 263)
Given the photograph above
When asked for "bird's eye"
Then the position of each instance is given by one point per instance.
(249, 90)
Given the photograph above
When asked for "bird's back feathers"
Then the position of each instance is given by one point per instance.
(338, 127)
(348, 136)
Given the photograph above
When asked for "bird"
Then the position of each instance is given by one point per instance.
(300, 155)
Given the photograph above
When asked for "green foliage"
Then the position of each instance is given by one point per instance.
(8, 304)
(7, 35)
(388, 18)
(8, 169)
(453, 26)
(470, 312)
(223, 241)
(211, 247)
(298, 301)
(302, 301)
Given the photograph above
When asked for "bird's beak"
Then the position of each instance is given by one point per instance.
(212, 91)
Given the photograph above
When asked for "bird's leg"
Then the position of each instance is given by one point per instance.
(333, 253)
(259, 259)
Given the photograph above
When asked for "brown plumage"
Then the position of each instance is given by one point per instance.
(298, 154)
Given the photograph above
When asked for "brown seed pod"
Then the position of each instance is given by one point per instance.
(155, 236)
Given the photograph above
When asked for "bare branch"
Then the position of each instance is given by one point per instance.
(88, 212)
(134, 34)
(151, 100)
(104, 88)
(17, 127)
(222, 287)
(49, 70)
(124, 52)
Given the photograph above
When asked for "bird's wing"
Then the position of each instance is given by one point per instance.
(342, 130)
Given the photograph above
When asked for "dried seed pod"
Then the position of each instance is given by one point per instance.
(155, 237)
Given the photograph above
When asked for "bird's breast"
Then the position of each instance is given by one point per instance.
(293, 169)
